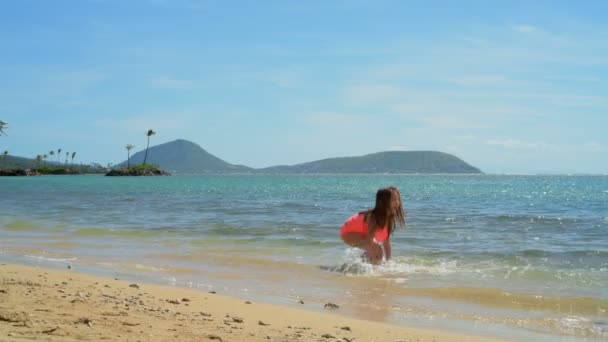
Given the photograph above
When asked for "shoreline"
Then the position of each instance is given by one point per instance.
(65, 305)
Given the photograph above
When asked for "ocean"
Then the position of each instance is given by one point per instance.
(518, 257)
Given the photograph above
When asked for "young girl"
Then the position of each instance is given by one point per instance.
(367, 229)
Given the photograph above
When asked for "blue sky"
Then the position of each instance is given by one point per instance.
(508, 86)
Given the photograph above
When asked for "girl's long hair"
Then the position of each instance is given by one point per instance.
(381, 213)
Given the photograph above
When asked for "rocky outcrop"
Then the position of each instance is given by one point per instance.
(19, 172)
(132, 172)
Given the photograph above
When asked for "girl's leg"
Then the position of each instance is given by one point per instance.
(373, 251)
(353, 239)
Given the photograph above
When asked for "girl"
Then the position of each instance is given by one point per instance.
(367, 229)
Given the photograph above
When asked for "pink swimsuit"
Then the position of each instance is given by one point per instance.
(357, 224)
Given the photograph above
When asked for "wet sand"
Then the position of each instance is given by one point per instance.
(64, 305)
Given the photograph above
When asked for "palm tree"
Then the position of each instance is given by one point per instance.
(67, 154)
(44, 157)
(149, 134)
(129, 147)
(73, 156)
(59, 156)
(5, 154)
(51, 153)
(38, 160)
(2, 127)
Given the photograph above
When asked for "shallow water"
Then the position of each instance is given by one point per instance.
(513, 256)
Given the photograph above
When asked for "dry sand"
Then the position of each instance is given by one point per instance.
(54, 305)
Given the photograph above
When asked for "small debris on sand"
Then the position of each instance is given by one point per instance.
(85, 320)
(331, 306)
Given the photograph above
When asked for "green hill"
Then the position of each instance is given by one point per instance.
(383, 162)
(12, 162)
(183, 156)
(20, 163)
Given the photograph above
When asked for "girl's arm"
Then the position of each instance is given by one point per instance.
(387, 248)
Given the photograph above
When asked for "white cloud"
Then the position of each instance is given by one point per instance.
(79, 77)
(372, 93)
(572, 100)
(544, 146)
(466, 137)
(520, 144)
(452, 122)
(574, 78)
(187, 4)
(338, 121)
(169, 121)
(592, 146)
(525, 28)
(168, 82)
(479, 80)
(283, 78)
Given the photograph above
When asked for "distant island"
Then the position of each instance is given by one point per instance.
(392, 162)
(138, 170)
(20, 166)
(183, 156)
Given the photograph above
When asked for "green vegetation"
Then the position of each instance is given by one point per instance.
(4, 158)
(19, 166)
(144, 168)
(19, 163)
(139, 170)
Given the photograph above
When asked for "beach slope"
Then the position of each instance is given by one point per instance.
(64, 305)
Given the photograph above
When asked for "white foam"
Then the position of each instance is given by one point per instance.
(149, 268)
(51, 259)
(354, 265)
(405, 266)
(574, 322)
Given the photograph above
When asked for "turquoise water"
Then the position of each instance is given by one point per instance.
(524, 255)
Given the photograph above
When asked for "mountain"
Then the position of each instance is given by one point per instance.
(183, 156)
(383, 162)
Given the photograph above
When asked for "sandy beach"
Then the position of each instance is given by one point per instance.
(64, 305)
